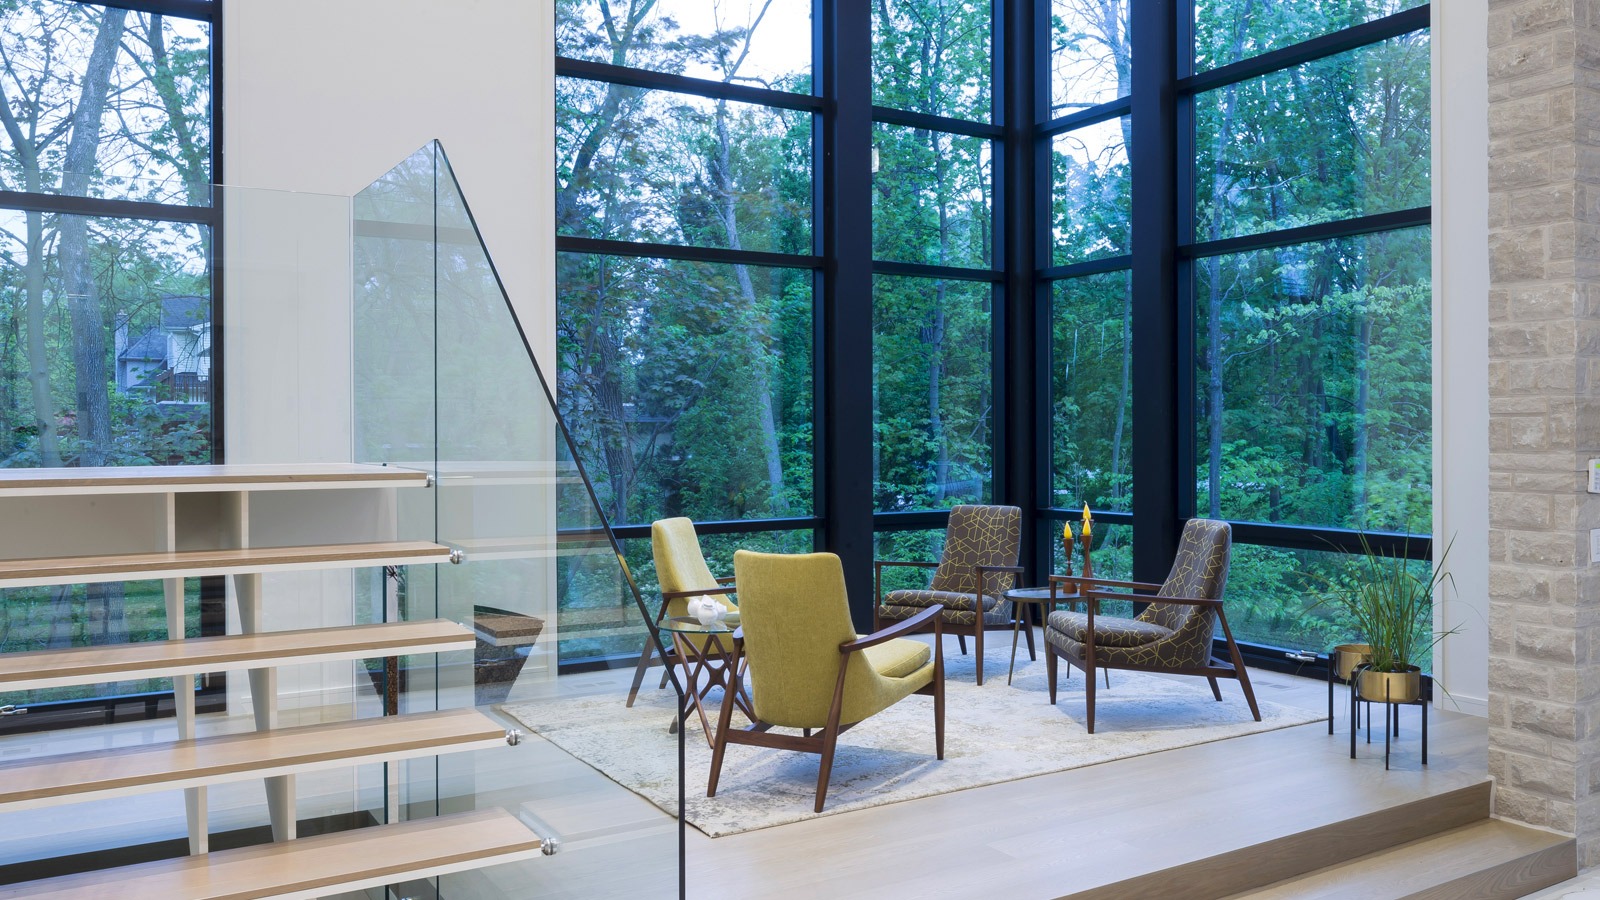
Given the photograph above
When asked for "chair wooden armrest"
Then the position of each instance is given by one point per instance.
(701, 592)
(1015, 570)
(1182, 601)
(877, 576)
(1106, 582)
(904, 626)
(725, 579)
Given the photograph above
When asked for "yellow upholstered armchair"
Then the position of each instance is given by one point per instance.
(809, 667)
(683, 575)
(1174, 634)
(977, 567)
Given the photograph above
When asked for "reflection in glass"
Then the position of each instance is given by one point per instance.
(1091, 59)
(1091, 192)
(762, 42)
(152, 90)
(687, 385)
(1314, 381)
(907, 546)
(1092, 392)
(678, 169)
(931, 198)
(1274, 597)
(1333, 139)
(1226, 31)
(933, 444)
(933, 58)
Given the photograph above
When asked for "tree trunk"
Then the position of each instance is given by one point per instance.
(88, 322)
(757, 330)
(1214, 336)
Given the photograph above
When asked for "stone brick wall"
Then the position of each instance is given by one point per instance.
(1544, 409)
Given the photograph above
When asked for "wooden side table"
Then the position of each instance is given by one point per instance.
(1037, 596)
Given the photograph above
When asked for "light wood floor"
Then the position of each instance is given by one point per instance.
(1034, 838)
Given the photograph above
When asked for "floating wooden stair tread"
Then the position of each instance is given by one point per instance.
(120, 771)
(155, 659)
(184, 479)
(309, 867)
(189, 563)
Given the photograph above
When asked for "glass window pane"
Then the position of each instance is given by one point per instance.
(1091, 192)
(931, 198)
(1275, 597)
(1226, 32)
(107, 103)
(1341, 137)
(1092, 392)
(688, 385)
(679, 169)
(934, 57)
(923, 545)
(766, 43)
(122, 351)
(1091, 59)
(1314, 381)
(933, 445)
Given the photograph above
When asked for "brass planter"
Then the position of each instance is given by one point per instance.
(1395, 687)
(1347, 656)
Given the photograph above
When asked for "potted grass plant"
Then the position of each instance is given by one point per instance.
(1390, 604)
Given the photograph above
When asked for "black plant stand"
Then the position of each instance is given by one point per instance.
(1391, 718)
(1333, 676)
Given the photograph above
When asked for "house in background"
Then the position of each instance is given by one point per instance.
(172, 360)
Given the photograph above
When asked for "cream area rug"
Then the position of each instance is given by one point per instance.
(993, 733)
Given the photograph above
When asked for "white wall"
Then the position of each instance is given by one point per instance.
(322, 98)
(1461, 340)
(326, 96)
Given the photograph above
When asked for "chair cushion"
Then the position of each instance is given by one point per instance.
(925, 599)
(1109, 631)
(899, 657)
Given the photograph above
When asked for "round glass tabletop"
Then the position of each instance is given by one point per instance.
(1039, 594)
(691, 625)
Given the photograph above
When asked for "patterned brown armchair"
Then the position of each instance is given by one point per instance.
(1173, 634)
(977, 567)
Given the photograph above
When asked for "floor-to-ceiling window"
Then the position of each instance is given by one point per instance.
(1295, 284)
(1226, 233)
(935, 281)
(686, 274)
(107, 285)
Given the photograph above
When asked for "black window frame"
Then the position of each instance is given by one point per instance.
(1160, 105)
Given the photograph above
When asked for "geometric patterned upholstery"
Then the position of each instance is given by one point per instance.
(976, 536)
(1165, 635)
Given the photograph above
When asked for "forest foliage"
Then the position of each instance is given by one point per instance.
(689, 383)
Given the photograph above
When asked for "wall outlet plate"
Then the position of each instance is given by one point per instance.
(1594, 546)
(1594, 476)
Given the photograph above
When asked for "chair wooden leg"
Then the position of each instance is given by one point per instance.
(666, 673)
(1215, 691)
(719, 745)
(830, 739)
(1088, 695)
(938, 691)
(977, 650)
(962, 640)
(1050, 672)
(639, 670)
(1238, 665)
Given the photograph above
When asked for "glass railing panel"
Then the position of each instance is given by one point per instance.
(539, 569)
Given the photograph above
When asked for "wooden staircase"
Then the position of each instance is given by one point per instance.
(201, 523)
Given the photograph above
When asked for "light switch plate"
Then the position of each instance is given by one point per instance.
(1594, 476)
(1594, 546)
